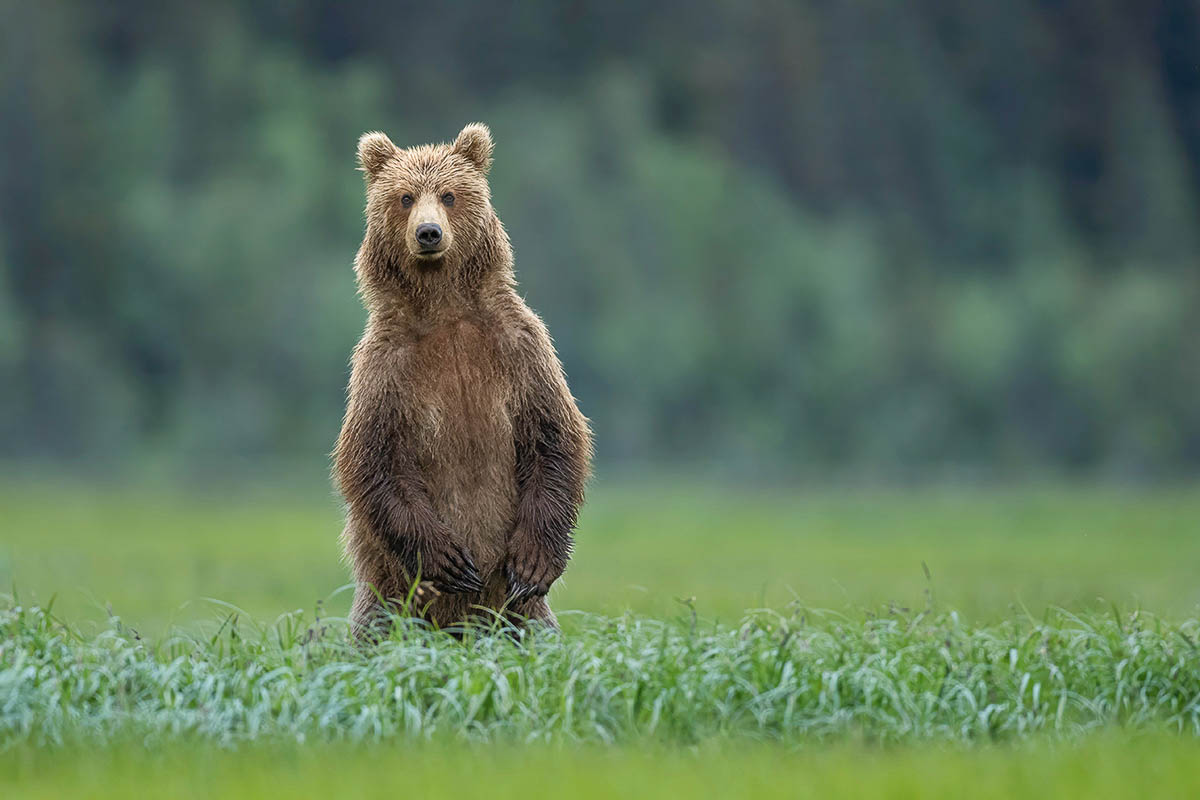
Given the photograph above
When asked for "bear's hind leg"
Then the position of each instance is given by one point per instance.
(374, 610)
(370, 614)
(531, 612)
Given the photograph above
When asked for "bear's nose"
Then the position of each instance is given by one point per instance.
(429, 234)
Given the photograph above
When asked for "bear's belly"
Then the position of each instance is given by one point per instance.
(466, 449)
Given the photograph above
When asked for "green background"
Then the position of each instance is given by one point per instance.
(801, 239)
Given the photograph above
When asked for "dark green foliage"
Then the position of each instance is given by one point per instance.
(867, 236)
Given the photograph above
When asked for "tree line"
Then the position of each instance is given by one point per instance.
(867, 237)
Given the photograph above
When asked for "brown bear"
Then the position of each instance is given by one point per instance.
(462, 456)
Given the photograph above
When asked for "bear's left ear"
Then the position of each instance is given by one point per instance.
(475, 143)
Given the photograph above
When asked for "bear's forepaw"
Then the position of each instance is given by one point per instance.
(532, 567)
(449, 567)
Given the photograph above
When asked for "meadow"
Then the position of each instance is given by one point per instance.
(153, 555)
(758, 642)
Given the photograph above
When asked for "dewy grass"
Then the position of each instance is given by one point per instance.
(890, 677)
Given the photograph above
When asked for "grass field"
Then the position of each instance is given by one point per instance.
(1098, 768)
(154, 555)
(866, 676)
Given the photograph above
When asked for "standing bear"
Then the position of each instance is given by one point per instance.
(462, 456)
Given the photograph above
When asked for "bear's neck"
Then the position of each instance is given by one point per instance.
(402, 294)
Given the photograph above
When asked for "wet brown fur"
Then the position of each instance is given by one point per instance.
(462, 456)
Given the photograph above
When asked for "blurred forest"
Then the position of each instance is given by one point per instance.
(769, 238)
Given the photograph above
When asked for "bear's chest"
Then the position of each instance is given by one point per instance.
(461, 391)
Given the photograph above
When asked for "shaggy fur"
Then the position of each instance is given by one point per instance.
(463, 456)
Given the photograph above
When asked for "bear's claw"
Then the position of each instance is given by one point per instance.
(519, 589)
(457, 574)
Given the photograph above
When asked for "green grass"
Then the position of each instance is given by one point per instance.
(892, 678)
(1097, 768)
(866, 677)
(153, 555)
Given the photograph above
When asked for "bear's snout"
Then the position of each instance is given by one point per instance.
(429, 236)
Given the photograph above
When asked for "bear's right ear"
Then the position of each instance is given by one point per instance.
(374, 150)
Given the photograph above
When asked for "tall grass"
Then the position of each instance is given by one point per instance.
(889, 677)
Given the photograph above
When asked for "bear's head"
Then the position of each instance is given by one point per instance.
(429, 211)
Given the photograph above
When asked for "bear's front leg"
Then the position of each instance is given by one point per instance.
(391, 514)
(553, 447)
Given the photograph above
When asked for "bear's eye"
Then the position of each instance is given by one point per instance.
(448, 198)
(406, 200)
